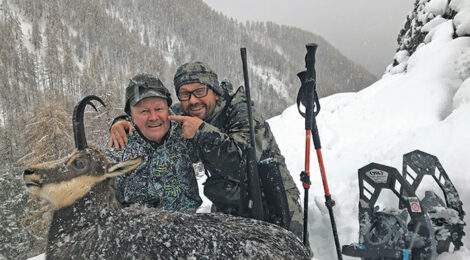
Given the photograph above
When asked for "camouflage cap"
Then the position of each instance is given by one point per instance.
(196, 72)
(143, 86)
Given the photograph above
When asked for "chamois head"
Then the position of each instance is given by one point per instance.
(64, 181)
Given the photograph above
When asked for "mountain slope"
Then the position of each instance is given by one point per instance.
(422, 104)
(124, 37)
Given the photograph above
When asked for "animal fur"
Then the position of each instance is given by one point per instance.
(89, 223)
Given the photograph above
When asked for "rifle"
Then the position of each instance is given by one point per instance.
(309, 98)
(255, 204)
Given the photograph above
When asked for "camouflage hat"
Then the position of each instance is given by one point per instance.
(196, 72)
(144, 86)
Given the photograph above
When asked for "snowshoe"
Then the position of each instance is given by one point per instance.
(447, 217)
(419, 229)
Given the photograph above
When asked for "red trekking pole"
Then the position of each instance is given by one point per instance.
(309, 99)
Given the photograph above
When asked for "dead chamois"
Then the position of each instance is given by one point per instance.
(89, 223)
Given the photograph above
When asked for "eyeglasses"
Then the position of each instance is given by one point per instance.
(198, 93)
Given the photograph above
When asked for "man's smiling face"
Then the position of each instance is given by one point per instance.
(201, 107)
(151, 117)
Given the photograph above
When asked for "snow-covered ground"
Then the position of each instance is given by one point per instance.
(426, 108)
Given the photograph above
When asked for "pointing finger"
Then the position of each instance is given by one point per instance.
(178, 118)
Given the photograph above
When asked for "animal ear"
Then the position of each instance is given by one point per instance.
(123, 167)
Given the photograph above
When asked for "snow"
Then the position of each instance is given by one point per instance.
(432, 24)
(424, 104)
(38, 257)
(462, 19)
(436, 7)
(426, 108)
(271, 76)
(463, 94)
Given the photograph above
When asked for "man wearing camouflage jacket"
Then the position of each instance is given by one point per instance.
(215, 118)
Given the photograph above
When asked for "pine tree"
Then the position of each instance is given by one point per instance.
(50, 134)
(146, 37)
(69, 71)
(36, 37)
(52, 61)
(6, 156)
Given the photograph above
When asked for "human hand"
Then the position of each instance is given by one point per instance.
(118, 138)
(190, 124)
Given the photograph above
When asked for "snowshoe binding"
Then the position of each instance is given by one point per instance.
(418, 228)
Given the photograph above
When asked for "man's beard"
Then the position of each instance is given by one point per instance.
(198, 106)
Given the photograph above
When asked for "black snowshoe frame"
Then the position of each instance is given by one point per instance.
(388, 234)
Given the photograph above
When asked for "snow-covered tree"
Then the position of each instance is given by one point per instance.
(49, 133)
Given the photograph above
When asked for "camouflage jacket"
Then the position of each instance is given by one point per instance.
(223, 139)
(166, 178)
(222, 142)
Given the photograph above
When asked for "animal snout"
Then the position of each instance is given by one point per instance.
(31, 178)
(28, 172)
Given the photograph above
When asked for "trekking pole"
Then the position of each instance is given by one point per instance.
(309, 98)
(255, 204)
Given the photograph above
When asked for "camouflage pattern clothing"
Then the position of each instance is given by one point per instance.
(165, 179)
(222, 142)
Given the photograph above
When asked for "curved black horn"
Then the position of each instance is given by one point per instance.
(78, 127)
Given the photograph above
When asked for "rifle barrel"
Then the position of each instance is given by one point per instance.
(254, 188)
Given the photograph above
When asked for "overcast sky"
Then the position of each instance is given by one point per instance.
(363, 30)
